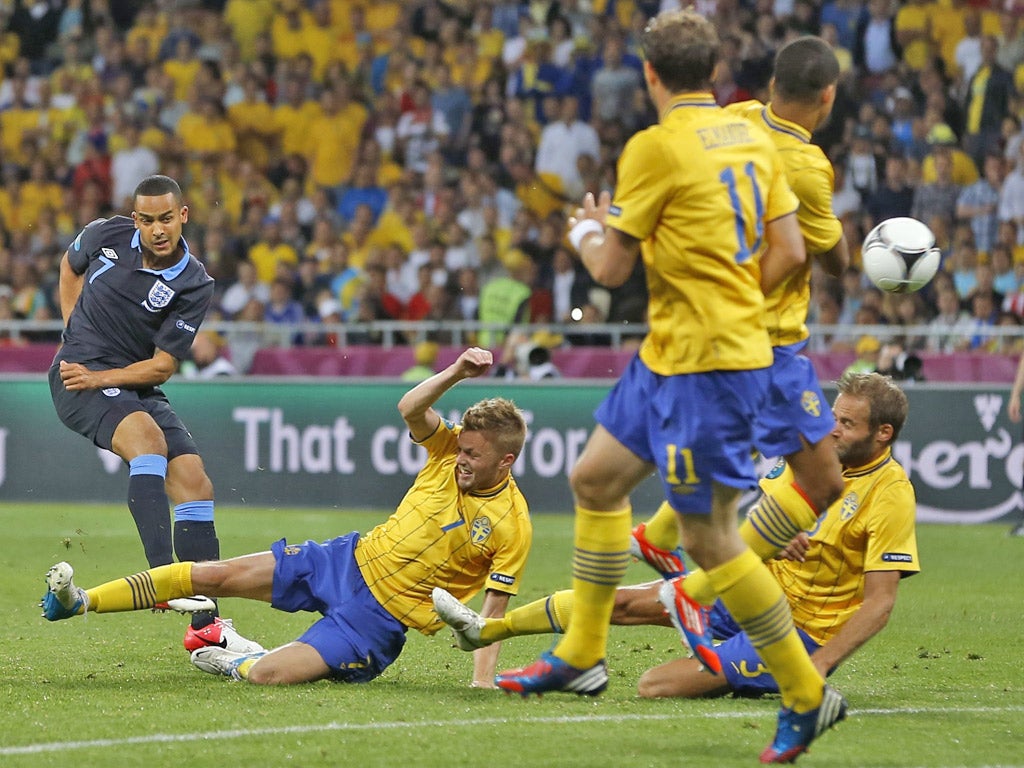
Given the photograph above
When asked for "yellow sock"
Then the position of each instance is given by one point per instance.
(764, 527)
(698, 587)
(663, 527)
(541, 617)
(242, 670)
(757, 603)
(600, 558)
(142, 590)
(778, 517)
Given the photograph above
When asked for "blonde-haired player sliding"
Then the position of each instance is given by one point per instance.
(463, 525)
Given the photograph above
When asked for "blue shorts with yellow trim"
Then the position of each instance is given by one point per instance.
(356, 637)
(694, 428)
(796, 405)
(741, 665)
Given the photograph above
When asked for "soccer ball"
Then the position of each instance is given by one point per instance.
(900, 256)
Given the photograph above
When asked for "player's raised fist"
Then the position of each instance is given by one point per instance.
(475, 361)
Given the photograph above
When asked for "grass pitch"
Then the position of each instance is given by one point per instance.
(941, 687)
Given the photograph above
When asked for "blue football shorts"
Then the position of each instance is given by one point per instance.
(695, 428)
(741, 664)
(795, 406)
(96, 413)
(356, 637)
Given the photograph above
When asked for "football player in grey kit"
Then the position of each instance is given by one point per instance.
(133, 295)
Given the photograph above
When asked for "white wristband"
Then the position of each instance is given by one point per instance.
(582, 229)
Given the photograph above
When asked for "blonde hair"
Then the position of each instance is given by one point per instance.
(888, 403)
(501, 419)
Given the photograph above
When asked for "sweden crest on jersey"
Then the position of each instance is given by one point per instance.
(849, 507)
(810, 403)
(160, 296)
(480, 530)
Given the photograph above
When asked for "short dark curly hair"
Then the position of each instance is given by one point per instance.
(804, 68)
(157, 186)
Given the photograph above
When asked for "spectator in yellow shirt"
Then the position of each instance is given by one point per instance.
(206, 135)
(247, 19)
(381, 15)
(540, 193)
(252, 121)
(14, 214)
(286, 30)
(490, 40)
(18, 119)
(913, 31)
(319, 35)
(183, 68)
(151, 27)
(40, 192)
(358, 238)
(944, 141)
(270, 253)
(293, 116)
(334, 136)
(10, 43)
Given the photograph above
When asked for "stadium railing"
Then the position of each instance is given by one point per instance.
(382, 348)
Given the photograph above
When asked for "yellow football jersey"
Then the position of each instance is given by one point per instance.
(947, 29)
(293, 125)
(266, 258)
(287, 40)
(965, 172)
(440, 536)
(915, 18)
(333, 152)
(697, 189)
(811, 177)
(870, 528)
(253, 125)
(15, 123)
(40, 196)
(247, 19)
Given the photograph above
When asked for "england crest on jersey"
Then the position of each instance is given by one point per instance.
(160, 296)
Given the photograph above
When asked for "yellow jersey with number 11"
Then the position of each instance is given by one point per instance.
(697, 189)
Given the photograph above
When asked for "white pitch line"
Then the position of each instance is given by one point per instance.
(207, 736)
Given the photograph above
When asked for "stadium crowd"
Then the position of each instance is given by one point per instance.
(347, 161)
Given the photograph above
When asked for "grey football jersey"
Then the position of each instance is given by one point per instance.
(126, 311)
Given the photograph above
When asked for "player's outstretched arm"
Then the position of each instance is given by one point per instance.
(416, 404)
(872, 616)
(485, 660)
(608, 254)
